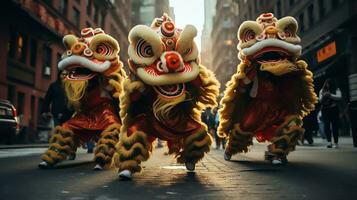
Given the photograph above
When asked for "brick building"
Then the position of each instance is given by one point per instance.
(31, 34)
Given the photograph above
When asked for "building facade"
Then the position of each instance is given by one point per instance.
(206, 42)
(31, 34)
(328, 33)
(224, 40)
(144, 11)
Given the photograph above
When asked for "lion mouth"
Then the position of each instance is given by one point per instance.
(170, 91)
(271, 55)
(77, 72)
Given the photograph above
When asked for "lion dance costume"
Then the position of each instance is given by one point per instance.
(92, 87)
(164, 97)
(270, 93)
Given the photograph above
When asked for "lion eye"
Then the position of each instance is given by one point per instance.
(289, 31)
(144, 49)
(104, 49)
(248, 35)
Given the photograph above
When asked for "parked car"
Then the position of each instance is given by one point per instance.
(9, 124)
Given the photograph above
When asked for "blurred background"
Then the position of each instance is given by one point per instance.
(31, 34)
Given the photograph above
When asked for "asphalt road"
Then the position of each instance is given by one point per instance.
(313, 173)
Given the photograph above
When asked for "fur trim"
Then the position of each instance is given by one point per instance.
(208, 93)
(105, 147)
(195, 146)
(115, 81)
(134, 148)
(232, 102)
(62, 143)
(239, 141)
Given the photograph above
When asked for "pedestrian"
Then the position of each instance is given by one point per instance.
(218, 139)
(321, 125)
(329, 96)
(310, 127)
(55, 103)
(353, 118)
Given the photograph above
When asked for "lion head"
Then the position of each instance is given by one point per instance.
(87, 58)
(164, 56)
(271, 43)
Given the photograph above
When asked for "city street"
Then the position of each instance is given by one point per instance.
(314, 172)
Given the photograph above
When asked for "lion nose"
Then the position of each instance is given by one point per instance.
(173, 61)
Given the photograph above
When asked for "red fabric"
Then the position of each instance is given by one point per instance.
(268, 109)
(170, 131)
(96, 116)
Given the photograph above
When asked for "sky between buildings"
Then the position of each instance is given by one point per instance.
(189, 12)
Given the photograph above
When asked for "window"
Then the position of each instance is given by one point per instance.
(33, 52)
(321, 9)
(102, 22)
(20, 103)
(33, 101)
(334, 3)
(12, 44)
(64, 7)
(291, 2)
(47, 56)
(11, 93)
(48, 2)
(278, 9)
(21, 47)
(76, 17)
(96, 14)
(301, 20)
(89, 7)
(310, 11)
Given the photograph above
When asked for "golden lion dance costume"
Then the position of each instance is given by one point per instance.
(164, 96)
(270, 93)
(92, 87)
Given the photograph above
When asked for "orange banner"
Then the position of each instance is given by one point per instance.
(326, 52)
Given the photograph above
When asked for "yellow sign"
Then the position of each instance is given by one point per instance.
(326, 52)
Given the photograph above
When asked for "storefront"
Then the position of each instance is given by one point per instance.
(328, 58)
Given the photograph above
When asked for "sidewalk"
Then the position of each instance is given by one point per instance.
(345, 142)
(21, 146)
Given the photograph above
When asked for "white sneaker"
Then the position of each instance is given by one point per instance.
(190, 166)
(276, 162)
(98, 167)
(329, 145)
(335, 146)
(44, 165)
(227, 156)
(125, 175)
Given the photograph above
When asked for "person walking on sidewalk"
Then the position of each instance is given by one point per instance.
(329, 96)
(55, 103)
